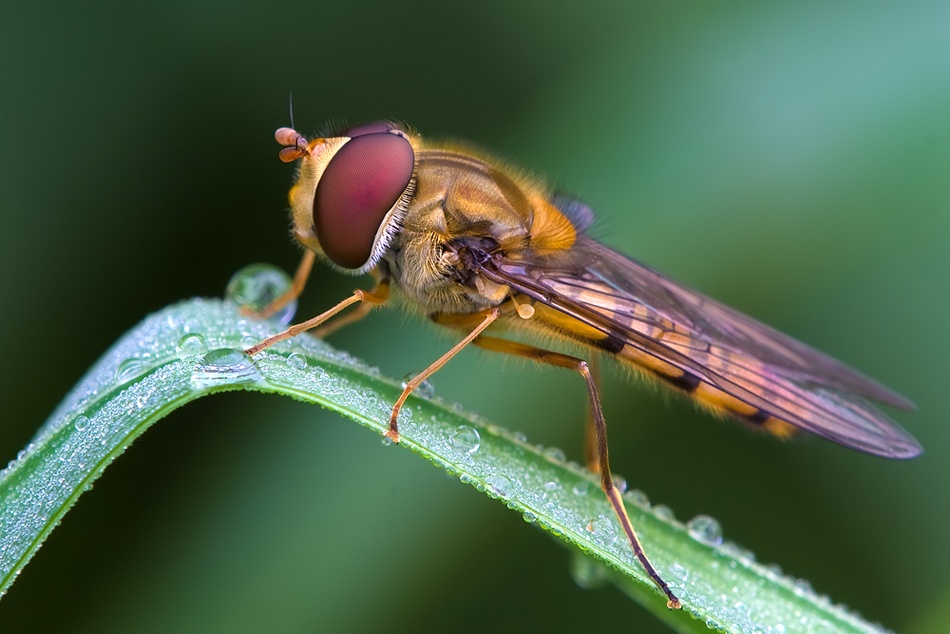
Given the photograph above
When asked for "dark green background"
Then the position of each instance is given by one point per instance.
(793, 161)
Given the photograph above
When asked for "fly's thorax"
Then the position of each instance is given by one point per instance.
(481, 197)
(432, 278)
(457, 196)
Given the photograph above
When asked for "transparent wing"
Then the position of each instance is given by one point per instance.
(639, 308)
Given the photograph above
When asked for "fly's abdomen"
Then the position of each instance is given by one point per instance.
(701, 392)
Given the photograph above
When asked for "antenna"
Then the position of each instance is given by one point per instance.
(291, 108)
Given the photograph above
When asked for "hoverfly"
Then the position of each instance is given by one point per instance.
(484, 249)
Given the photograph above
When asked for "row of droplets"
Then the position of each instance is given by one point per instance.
(466, 440)
(704, 529)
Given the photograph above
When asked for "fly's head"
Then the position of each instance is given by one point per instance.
(352, 191)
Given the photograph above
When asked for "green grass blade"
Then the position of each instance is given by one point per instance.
(194, 348)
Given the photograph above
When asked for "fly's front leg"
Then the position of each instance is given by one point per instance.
(483, 320)
(368, 298)
(599, 442)
(380, 293)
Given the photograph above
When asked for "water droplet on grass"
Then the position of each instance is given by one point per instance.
(225, 366)
(664, 512)
(620, 483)
(499, 485)
(638, 497)
(190, 345)
(424, 390)
(603, 529)
(257, 285)
(555, 453)
(130, 369)
(297, 361)
(705, 529)
(466, 439)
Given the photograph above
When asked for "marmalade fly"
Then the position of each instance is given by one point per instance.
(484, 249)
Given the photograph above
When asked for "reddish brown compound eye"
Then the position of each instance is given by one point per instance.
(359, 186)
(373, 128)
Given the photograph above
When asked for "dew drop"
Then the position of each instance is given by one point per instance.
(555, 453)
(225, 366)
(803, 587)
(387, 441)
(129, 369)
(581, 488)
(297, 361)
(257, 285)
(664, 512)
(705, 529)
(551, 486)
(81, 423)
(620, 483)
(603, 529)
(190, 345)
(638, 497)
(424, 390)
(466, 439)
(499, 485)
(529, 517)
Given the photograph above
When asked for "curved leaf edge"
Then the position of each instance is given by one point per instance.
(193, 349)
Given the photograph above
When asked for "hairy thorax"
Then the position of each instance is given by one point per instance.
(450, 204)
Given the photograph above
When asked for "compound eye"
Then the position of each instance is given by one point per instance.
(359, 187)
(376, 127)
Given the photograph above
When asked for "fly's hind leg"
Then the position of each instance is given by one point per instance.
(598, 429)
(591, 456)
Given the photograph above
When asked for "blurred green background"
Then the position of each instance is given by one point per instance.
(791, 160)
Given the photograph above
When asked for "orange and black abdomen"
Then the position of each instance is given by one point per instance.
(646, 364)
(693, 386)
